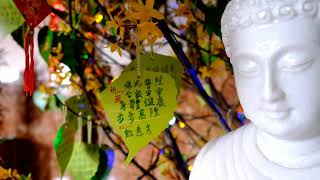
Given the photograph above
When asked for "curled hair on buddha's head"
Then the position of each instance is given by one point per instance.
(240, 14)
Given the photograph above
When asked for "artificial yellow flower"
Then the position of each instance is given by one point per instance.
(218, 68)
(143, 12)
(149, 31)
(9, 173)
(114, 47)
(116, 23)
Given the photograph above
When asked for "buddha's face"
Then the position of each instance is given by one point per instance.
(277, 72)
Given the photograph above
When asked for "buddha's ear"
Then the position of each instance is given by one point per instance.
(227, 49)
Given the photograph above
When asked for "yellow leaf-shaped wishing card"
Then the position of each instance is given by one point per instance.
(140, 108)
(159, 63)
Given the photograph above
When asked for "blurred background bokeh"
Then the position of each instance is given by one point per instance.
(80, 48)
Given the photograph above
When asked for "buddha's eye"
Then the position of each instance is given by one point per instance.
(295, 63)
(246, 67)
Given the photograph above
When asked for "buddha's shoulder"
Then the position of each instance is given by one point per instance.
(216, 154)
(222, 143)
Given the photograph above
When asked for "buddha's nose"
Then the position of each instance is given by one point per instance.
(271, 90)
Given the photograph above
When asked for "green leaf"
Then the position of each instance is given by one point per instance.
(140, 108)
(23, 177)
(80, 104)
(64, 142)
(212, 20)
(45, 48)
(70, 47)
(52, 103)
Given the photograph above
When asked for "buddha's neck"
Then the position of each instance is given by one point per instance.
(290, 154)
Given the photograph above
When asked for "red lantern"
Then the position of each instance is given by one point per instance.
(34, 12)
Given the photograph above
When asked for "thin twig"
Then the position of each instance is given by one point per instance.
(107, 130)
(181, 165)
(183, 58)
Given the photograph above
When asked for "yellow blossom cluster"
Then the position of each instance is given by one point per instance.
(9, 174)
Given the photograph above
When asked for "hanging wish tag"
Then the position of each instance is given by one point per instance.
(139, 109)
(84, 161)
(34, 12)
(159, 63)
(10, 18)
(65, 139)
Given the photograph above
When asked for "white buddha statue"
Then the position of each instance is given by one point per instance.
(274, 46)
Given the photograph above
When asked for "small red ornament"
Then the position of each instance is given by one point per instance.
(34, 12)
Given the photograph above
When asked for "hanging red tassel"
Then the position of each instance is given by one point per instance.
(29, 79)
(34, 11)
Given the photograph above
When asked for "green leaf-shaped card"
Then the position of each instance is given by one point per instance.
(65, 138)
(10, 17)
(140, 108)
(84, 161)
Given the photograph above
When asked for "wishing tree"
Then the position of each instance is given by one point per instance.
(158, 112)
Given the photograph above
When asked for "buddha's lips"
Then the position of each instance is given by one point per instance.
(276, 111)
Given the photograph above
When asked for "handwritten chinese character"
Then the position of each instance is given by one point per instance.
(128, 133)
(160, 102)
(137, 83)
(117, 99)
(148, 129)
(138, 94)
(137, 104)
(156, 111)
(142, 115)
(132, 102)
(147, 82)
(113, 89)
(148, 102)
(120, 118)
(171, 68)
(148, 92)
(129, 94)
(132, 68)
(139, 131)
(151, 112)
(131, 117)
(128, 85)
(165, 68)
(158, 80)
(159, 91)
(122, 106)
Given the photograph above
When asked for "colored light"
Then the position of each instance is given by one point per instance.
(241, 117)
(59, 6)
(110, 157)
(172, 121)
(182, 125)
(85, 56)
(81, 106)
(98, 18)
(161, 151)
(190, 168)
